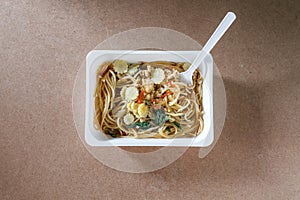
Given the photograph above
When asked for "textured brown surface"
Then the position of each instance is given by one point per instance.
(44, 42)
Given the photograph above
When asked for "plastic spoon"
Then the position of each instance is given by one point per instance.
(216, 36)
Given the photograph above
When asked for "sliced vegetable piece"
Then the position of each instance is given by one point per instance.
(158, 75)
(123, 91)
(131, 93)
(143, 110)
(128, 119)
(186, 65)
(134, 106)
(120, 66)
(129, 104)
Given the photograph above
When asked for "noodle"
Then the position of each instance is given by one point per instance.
(147, 100)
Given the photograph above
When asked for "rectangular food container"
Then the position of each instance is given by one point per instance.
(95, 58)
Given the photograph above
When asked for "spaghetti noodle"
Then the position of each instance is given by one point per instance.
(147, 100)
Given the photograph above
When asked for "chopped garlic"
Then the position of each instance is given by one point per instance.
(128, 119)
(158, 76)
(142, 119)
(120, 66)
(131, 93)
(148, 97)
(149, 88)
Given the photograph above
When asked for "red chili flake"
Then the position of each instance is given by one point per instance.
(123, 133)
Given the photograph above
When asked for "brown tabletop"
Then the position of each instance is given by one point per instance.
(42, 46)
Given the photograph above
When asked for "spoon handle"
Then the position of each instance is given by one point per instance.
(219, 32)
(216, 36)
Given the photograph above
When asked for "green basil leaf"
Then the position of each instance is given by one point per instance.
(177, 124)
(107, 132)
(160, 117)
(141, 125)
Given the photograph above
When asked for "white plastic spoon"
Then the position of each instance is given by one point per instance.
(216, 36)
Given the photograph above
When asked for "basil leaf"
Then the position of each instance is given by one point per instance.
(148, 102)
(141, 125)
(177, 124)
(168, 129)
(144, 125)
(132, 125)
(107, 132)
(160, 117)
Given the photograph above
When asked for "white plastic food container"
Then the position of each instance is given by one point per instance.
(95, 58)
